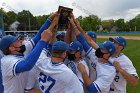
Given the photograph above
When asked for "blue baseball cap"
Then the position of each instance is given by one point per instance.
(6, 41)
(92, 34)
(109, 46)
(60, 45)
(120, 40)
(75, 46)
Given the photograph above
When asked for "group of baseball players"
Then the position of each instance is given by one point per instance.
(71, 62)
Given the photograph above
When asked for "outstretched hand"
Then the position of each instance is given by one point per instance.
(46, 35)
(54, 22)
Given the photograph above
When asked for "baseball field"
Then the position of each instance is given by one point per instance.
(133, 52)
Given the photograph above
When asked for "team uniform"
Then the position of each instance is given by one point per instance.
(14, 83)
(73, 66)
(105, 72)
(55, 77)
(32, 81)
(119, 83)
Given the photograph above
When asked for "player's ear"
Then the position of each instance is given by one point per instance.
(121, 48)
(11, 48)
(64, 53)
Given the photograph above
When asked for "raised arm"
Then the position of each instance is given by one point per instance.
(88, 39)
(28, 63)
(43, 27)
(79, 36)
(133, 80)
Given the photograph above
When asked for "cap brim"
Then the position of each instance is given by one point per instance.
(113, 40)
(70, 49)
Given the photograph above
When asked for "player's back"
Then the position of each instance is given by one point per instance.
(57, 78)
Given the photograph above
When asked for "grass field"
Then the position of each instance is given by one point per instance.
(122, 35)
(133, 52)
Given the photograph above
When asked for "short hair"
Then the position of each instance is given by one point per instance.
(57, 53)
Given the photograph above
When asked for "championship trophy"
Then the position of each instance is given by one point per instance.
(64, 12)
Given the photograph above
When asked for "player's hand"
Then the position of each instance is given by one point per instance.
(54, 22)
(117, 66)
(77, 22)
(46, 35)
(71, 20)
(81, 68)
(53, 15)
(112, 60)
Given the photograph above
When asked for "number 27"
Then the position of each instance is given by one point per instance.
(43, 79)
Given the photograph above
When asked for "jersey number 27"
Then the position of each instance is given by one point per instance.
(44, 80)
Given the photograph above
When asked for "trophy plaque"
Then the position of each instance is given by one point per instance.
(65, 12)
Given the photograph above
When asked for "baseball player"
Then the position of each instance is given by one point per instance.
(92, 35)
(105, 72)
(53, 75)
(126, 72)
(14, 67)
(14, 63)
(92, 71)
(75, 57)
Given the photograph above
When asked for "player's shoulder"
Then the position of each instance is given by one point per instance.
(106, 67)
(8, 58)
(122, 57)
(67, 72)
(90, 51)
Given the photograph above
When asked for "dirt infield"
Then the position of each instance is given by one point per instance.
(127, 37)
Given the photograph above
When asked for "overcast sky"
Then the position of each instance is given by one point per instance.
(104, 9)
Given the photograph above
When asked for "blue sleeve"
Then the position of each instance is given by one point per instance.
(92, 89)
(31, 59)
(1, 85)
(83, 41)
(49, 47)
(43, 27)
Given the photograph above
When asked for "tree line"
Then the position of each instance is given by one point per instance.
(92, 22)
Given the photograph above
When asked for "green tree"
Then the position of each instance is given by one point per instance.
(135, 23)
(12, 17)
(107, 24)
(90, 23)
(5, 18)
(41, 19)
(27, 19)
(120, 24)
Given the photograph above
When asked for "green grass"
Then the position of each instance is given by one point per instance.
(120, 34)
(133, 52)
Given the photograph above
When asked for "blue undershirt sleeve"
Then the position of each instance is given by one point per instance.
(92, 89)
(83, 41)
(28, 63)
(43, 27)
